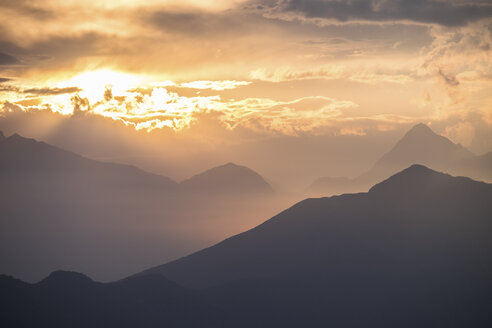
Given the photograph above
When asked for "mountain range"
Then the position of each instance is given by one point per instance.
(420, 145)
(23, 156)
(413, 251)
(58, 207)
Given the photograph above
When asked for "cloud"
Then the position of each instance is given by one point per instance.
(4, 79)
(80, 105)
(461, 133)
(161, 108)
(214, 85)
(9, 107)
(198, 22)
(32, 9)
(6, 59)
(448, 79)
(9, 88)
(446, 13)
(461, 59)
(51, 91)
(108, 94)
(364, 74)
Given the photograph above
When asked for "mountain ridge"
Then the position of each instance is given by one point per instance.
(419, 145)
(422, 183)
(31, 154)
(414, 251)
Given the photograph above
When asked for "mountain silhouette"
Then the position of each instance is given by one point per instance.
(58, 206)
(414, 251)
(420, 145)
(477, 167)
(227, 179)
(60, 210)
(70, 299)
(308, 231)
(22, 157)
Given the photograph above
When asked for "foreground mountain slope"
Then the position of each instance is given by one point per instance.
(409, 219)
(69, 299)
(415, 251)
(228, 178)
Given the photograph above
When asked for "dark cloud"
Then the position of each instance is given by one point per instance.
(9, 107)
(52, 91)
(108, 94)
(4, 79)
(65, 49)
(203, 23)
(6, 59)
(80, 105)
(9, 88)
(448, 79)
(448, 13)
(28, 8)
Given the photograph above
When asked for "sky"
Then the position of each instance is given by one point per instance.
(290, 87)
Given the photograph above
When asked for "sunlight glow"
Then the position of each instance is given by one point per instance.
(94, 83)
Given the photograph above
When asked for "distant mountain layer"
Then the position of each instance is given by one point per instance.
(332, 186)
(414, 251)
(228, 178)
(27, 158)
(420, 145)
(479, 167)
(61, 210)
(399, 214)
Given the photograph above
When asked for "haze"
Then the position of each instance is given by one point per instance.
(314, 97)
(245, 163)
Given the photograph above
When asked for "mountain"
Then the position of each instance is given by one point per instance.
(477, 167)
(420, 145)
(414, 251)
(27, 158)
(227, 179)
(311, 231)
(58, 207)
(69, 299)
(60, 210)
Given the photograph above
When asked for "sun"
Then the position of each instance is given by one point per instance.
(94, 83)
